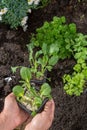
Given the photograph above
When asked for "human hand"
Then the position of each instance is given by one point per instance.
(12, 113)
(42, 121)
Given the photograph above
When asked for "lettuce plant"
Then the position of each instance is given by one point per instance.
(56, 33)
(75, 83)
(64, 41)
(80, 47)
(15, 12)
(27, 94)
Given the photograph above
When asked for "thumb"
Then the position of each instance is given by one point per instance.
(49, 108)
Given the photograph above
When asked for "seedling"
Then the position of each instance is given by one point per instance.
(42, 60)
(27, 95)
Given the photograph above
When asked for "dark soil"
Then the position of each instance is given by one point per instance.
(70, 112)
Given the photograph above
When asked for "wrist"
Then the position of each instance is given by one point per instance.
(30, 127)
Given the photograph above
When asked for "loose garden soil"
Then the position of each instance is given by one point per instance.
(71, 111)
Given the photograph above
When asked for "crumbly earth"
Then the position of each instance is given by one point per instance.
(71, 111)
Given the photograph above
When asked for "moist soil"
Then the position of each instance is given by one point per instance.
(71, 111)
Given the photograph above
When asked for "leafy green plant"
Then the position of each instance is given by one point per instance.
(57, 40)
(66, 42)
(75, 83)
(42, 60)
(80, 47)
(57, 33)
(15, 12)
(27, 93)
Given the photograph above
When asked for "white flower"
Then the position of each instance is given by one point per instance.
(36, 2)
(24, 21)
(30, 2)
(0, 18)
(3, 11)
(25, 27)
(29, 10)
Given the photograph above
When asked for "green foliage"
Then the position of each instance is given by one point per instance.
(42, 60)
(80, 47)
(14, 69)
(25, 74)
(53, 41)
(75, 83)
(57, 34)
(45, 90)
(59, 40)
(17, 10)
(43, 3)
(27, 93)
(18, 91)
(16, 13)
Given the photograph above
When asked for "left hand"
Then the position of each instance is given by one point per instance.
(13, 114)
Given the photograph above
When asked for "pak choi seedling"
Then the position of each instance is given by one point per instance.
(27, 94)
(42, 60)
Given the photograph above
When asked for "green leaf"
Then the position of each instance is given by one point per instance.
(49, 68)
(25, 74)
(39, 74)
(45, 90)
(37, 101)
(53, 60)
(44, 48)
(72, 27)
(40, 61)
(80, 61)
(38, 53)
(14, 69)
(77, 68)
(46, 25)
(45, 59)
(63, 19)
(53, 49)
(33, 92)
(18, 91)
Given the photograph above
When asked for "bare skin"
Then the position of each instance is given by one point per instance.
(43, 120)
(12, 116)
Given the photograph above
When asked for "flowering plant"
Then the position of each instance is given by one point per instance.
(15, 12)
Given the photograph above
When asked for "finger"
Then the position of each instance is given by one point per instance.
(10, 97)
(49, 108)
(52, 109)
(50, 104)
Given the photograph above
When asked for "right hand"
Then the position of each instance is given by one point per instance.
(43, 120)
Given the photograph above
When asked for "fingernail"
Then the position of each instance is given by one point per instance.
(50, 103)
